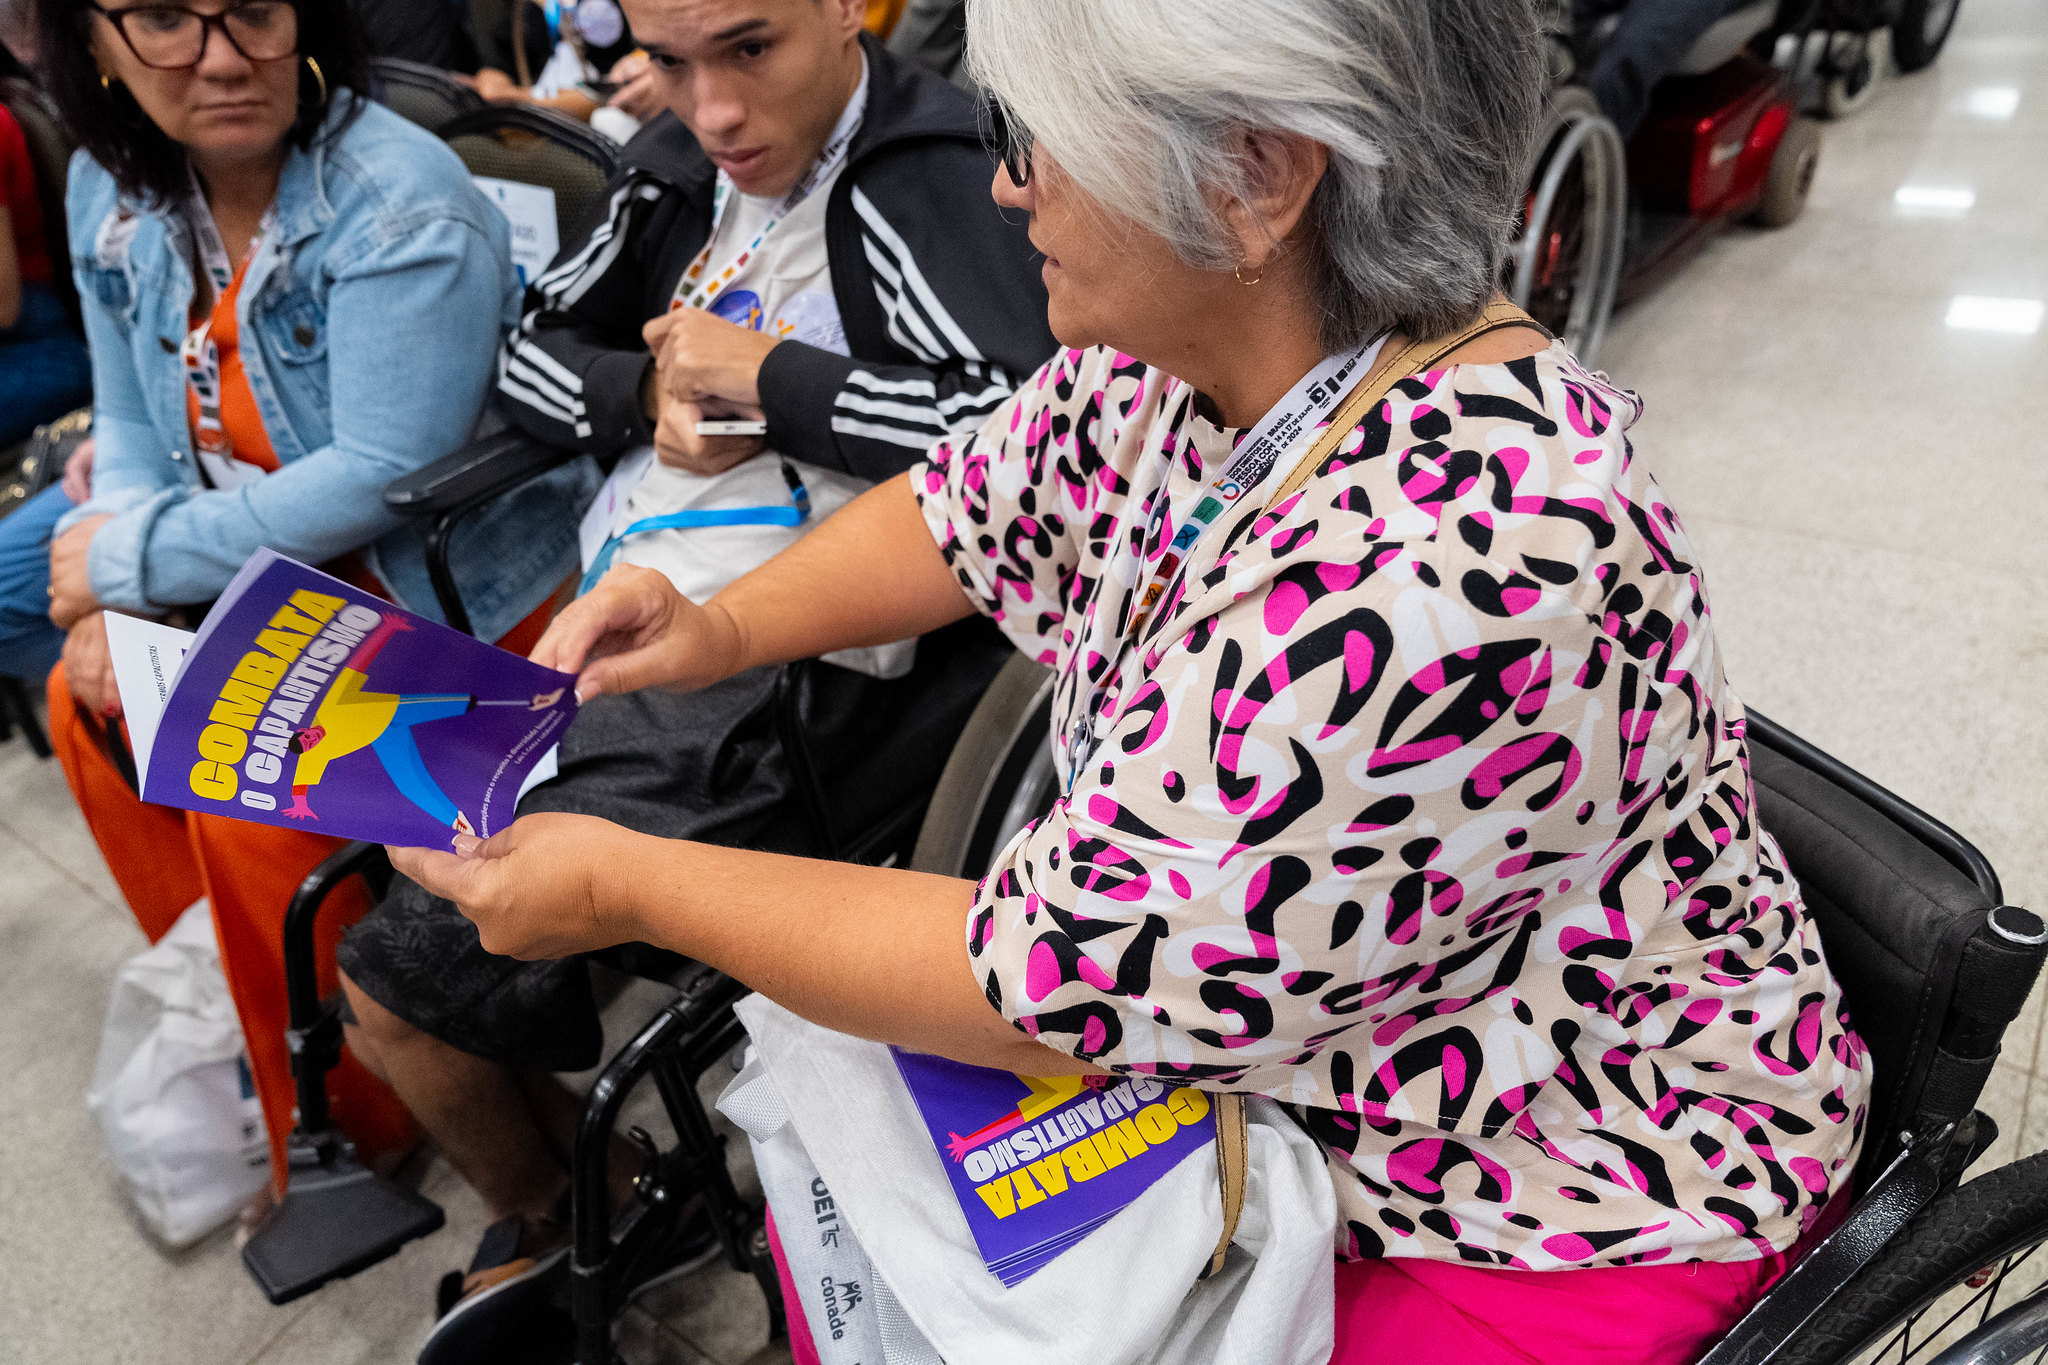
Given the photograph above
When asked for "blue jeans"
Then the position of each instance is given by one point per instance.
(1654, 36)
(44, 371)
(29, 641)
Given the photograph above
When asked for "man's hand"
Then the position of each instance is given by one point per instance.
(677, 444)
(638, 92)
(634, 630)
(78, 473)
(89, 667)
(494, 84)
(699, 355)
(538, 890)
(71, 596)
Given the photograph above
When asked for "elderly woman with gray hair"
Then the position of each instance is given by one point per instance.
(1402, 780)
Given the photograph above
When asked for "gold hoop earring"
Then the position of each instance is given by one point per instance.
(1238, 270)
(106, 84)
(318, 76)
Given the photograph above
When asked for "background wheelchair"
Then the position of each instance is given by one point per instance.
(1725, 140)
(1603, 222)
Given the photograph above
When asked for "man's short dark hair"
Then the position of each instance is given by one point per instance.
(110, 125)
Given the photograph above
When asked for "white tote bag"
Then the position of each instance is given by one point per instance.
(172, 1090)
(821, 1106)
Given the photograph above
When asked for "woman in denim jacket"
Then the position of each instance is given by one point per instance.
(292, 297)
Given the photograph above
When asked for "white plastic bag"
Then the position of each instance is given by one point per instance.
(172, 1090)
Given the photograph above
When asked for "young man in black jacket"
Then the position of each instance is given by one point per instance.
(807, 240)
(938, 294)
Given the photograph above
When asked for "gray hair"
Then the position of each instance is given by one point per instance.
(1427, 107)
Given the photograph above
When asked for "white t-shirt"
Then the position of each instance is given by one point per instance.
(785, 291)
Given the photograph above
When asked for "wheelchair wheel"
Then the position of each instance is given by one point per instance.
(1793, 167)
(1922, 31)
(1564, 264)
(999, 779)
(1856, 68)
(1977, 1248)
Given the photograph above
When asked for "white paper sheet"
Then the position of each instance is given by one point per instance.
(608, 512)
(530, 209)
(145, 655)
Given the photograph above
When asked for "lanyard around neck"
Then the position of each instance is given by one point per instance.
(796, 514)
(700, 285)
(1307, 407)
(200, 354)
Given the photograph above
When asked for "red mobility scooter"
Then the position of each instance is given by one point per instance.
(1724, 140)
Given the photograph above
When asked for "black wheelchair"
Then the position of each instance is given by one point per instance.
(1933, 964)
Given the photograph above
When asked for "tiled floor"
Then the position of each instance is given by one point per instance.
(1862, 478)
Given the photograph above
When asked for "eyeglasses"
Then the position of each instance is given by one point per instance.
(1010, 142)
(171, 37)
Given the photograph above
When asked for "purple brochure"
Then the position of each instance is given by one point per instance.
(307, 702)
(1038, 1163)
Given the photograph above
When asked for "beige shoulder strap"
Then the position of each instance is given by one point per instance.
(1394, 365)
(1417, 357)
(1232, 1144)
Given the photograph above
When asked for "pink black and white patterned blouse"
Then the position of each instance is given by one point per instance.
(1421, 805)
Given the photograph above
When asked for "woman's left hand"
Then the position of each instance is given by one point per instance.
(89, 667)
(538, 890)
(71, 596)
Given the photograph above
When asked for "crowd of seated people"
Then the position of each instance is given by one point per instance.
(1022, 405)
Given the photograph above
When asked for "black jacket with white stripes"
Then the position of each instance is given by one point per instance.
(938, 289)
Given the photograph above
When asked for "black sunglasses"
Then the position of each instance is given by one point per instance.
(1009, 142)
(172, 37)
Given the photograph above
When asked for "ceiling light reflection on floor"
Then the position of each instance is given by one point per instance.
(2016, 317)
(1933, 201)
(1995, 101)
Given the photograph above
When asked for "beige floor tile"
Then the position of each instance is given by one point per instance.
(84, 1285)
(2005, 1101)
(36, 807)
(1873, 655)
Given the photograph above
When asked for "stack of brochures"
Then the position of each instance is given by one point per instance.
(1038, 1163)
(307, 702)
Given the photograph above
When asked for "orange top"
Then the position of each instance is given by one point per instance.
(239, 419)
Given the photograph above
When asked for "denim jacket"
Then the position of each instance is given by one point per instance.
(370, 319)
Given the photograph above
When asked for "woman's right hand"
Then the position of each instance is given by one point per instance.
(89, 666)
(633, 631)
(78, 473)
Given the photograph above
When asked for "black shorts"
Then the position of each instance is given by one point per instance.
(707, 766)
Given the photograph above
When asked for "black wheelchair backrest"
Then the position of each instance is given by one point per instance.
(1932, 966)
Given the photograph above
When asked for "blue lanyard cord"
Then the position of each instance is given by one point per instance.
(796, 514)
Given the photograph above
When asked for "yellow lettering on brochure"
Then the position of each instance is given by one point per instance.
(282, 643)
(317, 605)
(1083, 1161)
(214, 781)
(1123, 1140)
(1028, 1192)
(1051, 1173)
(999, 1196)
(1154, 1124)
(1188, 1106)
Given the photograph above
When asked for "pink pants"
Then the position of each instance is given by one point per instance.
(1413, 1312)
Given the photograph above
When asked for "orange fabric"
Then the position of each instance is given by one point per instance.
(164, 859)
(239, 419)
(882, 16)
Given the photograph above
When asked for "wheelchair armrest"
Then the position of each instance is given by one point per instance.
(472, 475)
